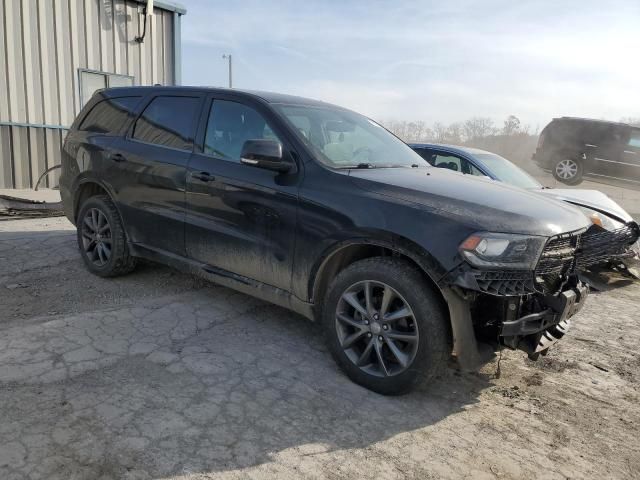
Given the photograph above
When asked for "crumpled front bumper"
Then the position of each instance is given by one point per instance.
(536, 332)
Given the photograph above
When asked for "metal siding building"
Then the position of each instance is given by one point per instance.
(55, 53)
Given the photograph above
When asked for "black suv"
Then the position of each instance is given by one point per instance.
(323, 211)
(572, 148)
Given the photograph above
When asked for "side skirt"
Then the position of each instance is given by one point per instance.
(225, 278)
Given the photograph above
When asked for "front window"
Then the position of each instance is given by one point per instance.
(230, 125)
(343, 139)
(507, 172)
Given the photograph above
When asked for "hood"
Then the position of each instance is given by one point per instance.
(591, 199)
(478, 202)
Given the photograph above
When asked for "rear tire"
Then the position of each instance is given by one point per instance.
(101, 238)
(568, 170)
(394, 341)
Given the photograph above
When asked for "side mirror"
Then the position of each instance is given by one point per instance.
(265, 154)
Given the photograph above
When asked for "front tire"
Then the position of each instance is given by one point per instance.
(385, 326)
(568, 170)
(102, 239)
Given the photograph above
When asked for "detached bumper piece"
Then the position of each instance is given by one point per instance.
(536, 332)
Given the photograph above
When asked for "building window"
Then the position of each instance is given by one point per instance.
(90, 81)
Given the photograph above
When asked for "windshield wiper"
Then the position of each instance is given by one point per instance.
(359, 165)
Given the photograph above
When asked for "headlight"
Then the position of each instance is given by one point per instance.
(602, 220)
(503, 250)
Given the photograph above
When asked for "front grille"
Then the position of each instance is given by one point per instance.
(503, 282)
(569, 253)
(562, 256)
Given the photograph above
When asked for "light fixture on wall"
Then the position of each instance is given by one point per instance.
(147, 12)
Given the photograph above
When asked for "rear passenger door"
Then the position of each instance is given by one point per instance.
(631, 157)
(149, 167)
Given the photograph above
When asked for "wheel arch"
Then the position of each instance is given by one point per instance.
(454, 304)
(86, 189)
(344, 253)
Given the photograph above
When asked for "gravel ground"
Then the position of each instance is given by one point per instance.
(160, 375)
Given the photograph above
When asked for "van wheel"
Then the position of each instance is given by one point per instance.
(568, 170)
(384, 325)
(101, 238)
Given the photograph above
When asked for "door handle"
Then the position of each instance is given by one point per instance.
(117, 157)
(203, 176)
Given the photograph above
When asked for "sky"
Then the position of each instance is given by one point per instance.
(437, 61)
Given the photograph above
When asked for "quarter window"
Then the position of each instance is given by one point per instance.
(168, 121)
(634, 141)
(108, 116)
(231, 124)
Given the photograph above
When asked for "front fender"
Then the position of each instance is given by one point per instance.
(427, 263)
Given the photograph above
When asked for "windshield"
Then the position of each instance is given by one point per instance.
(507, 172)
(343, 139)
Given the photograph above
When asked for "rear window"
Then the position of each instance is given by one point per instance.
(108, 116)
(169, 122)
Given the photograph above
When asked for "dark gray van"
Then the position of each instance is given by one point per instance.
(572, 148)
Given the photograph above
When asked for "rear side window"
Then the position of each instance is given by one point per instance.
(168, 121)
(108, 116)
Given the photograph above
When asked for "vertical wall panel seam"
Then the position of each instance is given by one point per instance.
(6, 59)
(29, 171)
(12, 158)
(126, 36)
(102, 60)
(57, 65)
(114, 34)
(40, 49)
(139, 47)
(114, 45)
(26, 106)
(150, 33)
(46, 158)
(86, 39)
(162, 43)
(71, 42)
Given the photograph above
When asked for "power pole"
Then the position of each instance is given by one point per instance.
(228, 57)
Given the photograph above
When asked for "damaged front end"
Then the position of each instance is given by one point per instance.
(522, 291)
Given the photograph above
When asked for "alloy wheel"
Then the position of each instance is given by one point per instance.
(566, 169)
(96, 237)
(376, 328)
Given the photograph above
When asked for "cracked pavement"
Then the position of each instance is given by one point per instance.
(162, 375)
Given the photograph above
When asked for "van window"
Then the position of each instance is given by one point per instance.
(108, 116)
(169, 122)
(634, 140)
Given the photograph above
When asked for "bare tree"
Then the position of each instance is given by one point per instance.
(454, 133)
(635, 121)
(478, 127)
(511, 125)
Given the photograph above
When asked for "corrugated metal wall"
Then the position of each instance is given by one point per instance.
(43, 43)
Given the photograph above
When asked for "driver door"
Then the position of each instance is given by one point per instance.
(240, 219)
